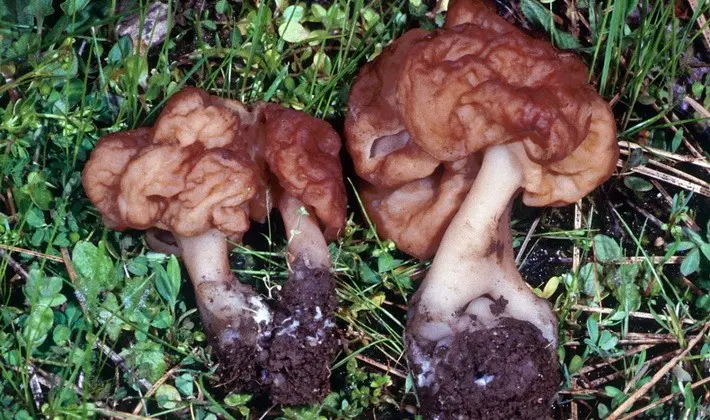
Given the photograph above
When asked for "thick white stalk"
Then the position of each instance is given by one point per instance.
(305, 238)
(474, 265)
(226, 305)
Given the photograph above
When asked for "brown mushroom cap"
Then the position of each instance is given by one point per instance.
(192, 115)
(415, 215)
(207, 164)
(378, 141)
(410, 196)
(466, 88)
(302, 152)
(102, 173)
(477, 83)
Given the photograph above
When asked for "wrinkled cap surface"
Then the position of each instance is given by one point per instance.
(410, 196)
(206, 164)
(434, 98)
(303, 154)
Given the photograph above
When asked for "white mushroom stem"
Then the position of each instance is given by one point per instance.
(475, 264)
(225, 304)
(305, 239)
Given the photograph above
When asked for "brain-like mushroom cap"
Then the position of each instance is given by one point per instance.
(483, 83)
(205, 165)
(302, 152)
(411, 196)
(102, 173)
(434, 98)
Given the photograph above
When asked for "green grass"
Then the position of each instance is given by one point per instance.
(93, 324)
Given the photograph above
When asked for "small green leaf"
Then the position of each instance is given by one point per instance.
(637, 184)
(385, 263)
(221, 6)
(613, 391)
(167, 396)
(550, 287)
(34, 217)
(184, 383)
(120, 50)
(294, 14)
(690, 263)
(94, 268)
(162, 320)
(705, 248)
(61, 334)
(606, 249)
(39, 9)
(109, 307)
(540, 16)
(148, 358)
(588, 276)
(592, 329)
(174, 276)
(677, 140)
(37, 326)
(697, 88)
(368, 275)
(293, 32)
(703, 302)
(575, 364)
(235, 400)
(318, 12)
(168, 282)
(72, 6)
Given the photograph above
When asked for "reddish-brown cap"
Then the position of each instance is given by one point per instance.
(302, 151)
(477, 83)
(205, 165)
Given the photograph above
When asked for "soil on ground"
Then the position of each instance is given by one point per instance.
(303, 341)
(240, 361)
(505, 372)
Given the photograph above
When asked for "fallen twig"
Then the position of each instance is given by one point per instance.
(702, 23)
(381, 366)
(29, 252)
(633, 314)
(608, 362)
(531, 231)
(662, 176)
(697, 106)
(657, 377)
(17, 267)
(154, 388)
(576, 253)
(608, 378)
(664, 400)
(699, 161)
(676, 259)
(36, 388)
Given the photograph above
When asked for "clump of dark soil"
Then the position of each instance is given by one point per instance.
(303, 341)
(239, 363)
(505, 372)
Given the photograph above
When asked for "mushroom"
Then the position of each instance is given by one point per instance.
(481, 112)
(302, 152)
(201, 172)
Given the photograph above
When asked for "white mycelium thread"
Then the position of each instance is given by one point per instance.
(289, 329)
(261, 311)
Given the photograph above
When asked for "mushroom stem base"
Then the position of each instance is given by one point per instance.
(304, 342)
(236, 319)
(469, 299)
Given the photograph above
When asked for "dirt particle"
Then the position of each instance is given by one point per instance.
(498, 306)
(504, 372)
(497, 248)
